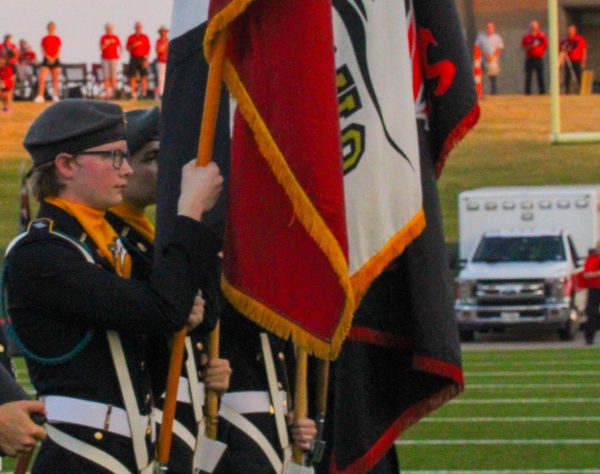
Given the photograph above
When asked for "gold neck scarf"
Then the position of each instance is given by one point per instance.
(100, 231)
(135, 218)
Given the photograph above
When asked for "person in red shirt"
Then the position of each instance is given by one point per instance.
(25, 65)
(162, 51)
(110, 48)
(51, 45)
(574, 53)
(591, 273)
(138, 45)
(7, 82)
(10, 51)
(535, 44)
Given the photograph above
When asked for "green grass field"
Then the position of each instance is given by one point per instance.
(523, 411)
(509, 146)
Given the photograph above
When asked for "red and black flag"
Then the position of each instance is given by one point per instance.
(285, 245)
(402, 357)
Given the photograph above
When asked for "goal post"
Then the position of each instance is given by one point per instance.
(556, 136)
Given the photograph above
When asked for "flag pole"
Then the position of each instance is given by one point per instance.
(300, 397)
(322, 385)
(212, 397)
(321, 401)
(205, 147)
(23, 463)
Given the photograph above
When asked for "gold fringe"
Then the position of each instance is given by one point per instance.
(308, 215)
(283, 328)
(363, 277)
(303, 207)
(221, 21)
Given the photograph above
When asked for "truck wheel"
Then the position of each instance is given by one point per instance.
(467, 335)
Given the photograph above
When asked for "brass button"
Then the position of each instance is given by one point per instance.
(142, 365)
(1, 348)
(99, 435)
(271, 409)
(281, 356)
(142, 247)
(148, 430)
(147, 398)
(199, 346)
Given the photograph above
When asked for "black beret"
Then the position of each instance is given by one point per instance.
(71, 126)
(142, 127)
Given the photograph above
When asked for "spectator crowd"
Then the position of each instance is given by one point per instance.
(572, 58)
(22, 71)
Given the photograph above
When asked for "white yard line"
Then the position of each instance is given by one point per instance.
(461, 442)
(540, 363)
(527, 373)
(513, 401)
(509, 419)
(493, 386)
(506, 471)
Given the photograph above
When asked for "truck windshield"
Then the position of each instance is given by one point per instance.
(520, 249)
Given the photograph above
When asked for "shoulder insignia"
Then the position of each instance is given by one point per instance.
(42, 224)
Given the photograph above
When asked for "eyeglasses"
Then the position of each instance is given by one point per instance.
(117, 156)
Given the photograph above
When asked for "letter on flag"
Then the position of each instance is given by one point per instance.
(379, 135)
(401, 359)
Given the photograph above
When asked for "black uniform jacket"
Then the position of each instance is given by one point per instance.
(241, 344)
(4, 353)
(55, 297)
(158, 348)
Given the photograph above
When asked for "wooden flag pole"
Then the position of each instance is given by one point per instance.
(322, 392)
(23, 463)
(205, 147)
(212, 397)
(322, 386)
(300, 397)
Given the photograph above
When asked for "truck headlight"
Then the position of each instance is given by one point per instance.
(558, 288)
(464, 290)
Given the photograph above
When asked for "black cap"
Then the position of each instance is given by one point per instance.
(142, 127)
(71, 126)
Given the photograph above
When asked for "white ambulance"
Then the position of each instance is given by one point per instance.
(522, 251)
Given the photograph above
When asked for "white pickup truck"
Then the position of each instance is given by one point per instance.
(521, 251)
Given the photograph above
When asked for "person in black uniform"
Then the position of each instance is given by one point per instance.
(80, 320)
(255, 419)
(18, 433)
(137, 233)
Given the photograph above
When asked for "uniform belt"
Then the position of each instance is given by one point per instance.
(252, 401)
(183, 391)
(95, 415)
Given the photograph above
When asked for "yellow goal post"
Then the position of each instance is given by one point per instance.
(556, 136)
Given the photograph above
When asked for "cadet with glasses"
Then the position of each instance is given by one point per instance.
(80, 320)
(137, 233)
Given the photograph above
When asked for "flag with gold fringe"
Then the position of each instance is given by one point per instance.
(379, 136)
(402, 358)
(285, 242)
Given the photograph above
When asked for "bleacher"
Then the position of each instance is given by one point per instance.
(80, 80)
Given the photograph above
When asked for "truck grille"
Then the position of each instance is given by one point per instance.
(507, 293)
